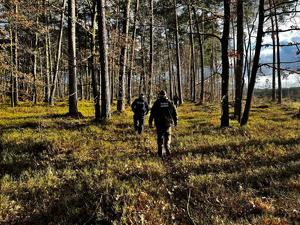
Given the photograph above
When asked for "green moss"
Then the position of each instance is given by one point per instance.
(66, 170)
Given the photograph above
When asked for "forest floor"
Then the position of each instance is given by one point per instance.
(58, 170)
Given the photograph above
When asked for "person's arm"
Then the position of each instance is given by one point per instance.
(174, 115)
(152, 114)
(133, 105)
(147, 108)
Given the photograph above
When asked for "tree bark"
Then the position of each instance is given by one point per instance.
(105, 98)
(16, 78)
(35, 53)
(96, 93)
(240, 60)
(170, 66)
(192, 62)
(279, 91)
(225, 65)
(73, 108)
(129, 82)
(58, 55)
(178, 55)
(12, 66)
(201, 57)
(123, 58)
(255, 66)
(274, 54)
(143, 75)
(47, 58)
(151, 54)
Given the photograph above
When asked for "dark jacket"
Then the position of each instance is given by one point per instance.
(164, 113)
(176, 100)
(140, 107)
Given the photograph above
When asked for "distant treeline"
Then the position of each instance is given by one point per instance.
(293, 93)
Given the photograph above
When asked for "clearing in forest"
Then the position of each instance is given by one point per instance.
(57, 170)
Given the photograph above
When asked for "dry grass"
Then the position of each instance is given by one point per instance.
(57, 170)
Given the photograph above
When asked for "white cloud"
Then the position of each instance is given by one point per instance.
(266, 52)
(266, 81)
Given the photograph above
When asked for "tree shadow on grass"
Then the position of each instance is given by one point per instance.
(266, 176)
(72, 202)
(223, 149)
(16, 158)
(57, 124)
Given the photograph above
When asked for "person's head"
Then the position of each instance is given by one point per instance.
(141, 96)
(162, 94)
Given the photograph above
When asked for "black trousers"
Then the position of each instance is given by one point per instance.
(163, 139)
(138, 123)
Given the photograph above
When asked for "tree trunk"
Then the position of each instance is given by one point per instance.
(47, 59)
(47, 78)
(274, 54)
(143, 76)
(58, 54)
(73, 109)
(225, 65)
(16, 78)
(232, 61)
(105, 98)
(50, 66)
(35, 53)
(279, 91)
(12, 67)
(170, 66)
(212, 73)
(123, 58)
(151, 54)
(259, 37)
(178, 55)
(201, 58)
(192, 62)
(129, 82)
(240, 60)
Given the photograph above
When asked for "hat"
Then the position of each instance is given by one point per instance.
(162, 93)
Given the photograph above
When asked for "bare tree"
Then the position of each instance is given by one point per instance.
(123, 57)
(178, 63)
(225, 65)
(274, 53)
(105, 98)
(58, 54)
(192, 62)
(201, 54)
(129, 83)
(93, 62)
(240, 60)
(73, 108)
(279, 91)
(151, 54)
(255, 66)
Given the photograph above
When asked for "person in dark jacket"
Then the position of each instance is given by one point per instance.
(140, 109)
(176, 100)
(165, 116)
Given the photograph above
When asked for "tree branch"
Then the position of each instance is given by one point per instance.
(287, 30)
(288, 70)
(281, 3)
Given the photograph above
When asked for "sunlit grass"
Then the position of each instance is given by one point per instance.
(61, 170)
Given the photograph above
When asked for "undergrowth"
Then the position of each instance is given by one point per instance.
(59, 170)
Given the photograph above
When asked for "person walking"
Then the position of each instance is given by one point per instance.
(140, 109)
(164, 115)
(176, 100)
